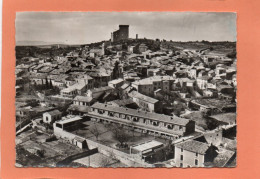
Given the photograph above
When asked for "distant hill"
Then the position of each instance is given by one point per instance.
(35, 43)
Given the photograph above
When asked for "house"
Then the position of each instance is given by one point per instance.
(46, 69)
(97, 92)
(146, 150)
(51, 116)
(59, 82)
(24, 67)
(128, 103)
(73, 90)
(65, 124)
(214, 137)
(86, 79)
(70, 81)
(153, 72)
(142, 48)
(78, 109)
(220, 69)
(80, 87)
(132, 49)
(226, 118)
(80, 142)
(24, 111)
(68, 92)
(37, 68)
(193, 153)
(212, 105)
(165, 95)
(131, 76)
(38, 78)
(141, 70)
(147, 86)
(193, 73)
(101, 78)
(202, 82)
(146, 103)
(209, 93)
(83, 100)
(116, 83)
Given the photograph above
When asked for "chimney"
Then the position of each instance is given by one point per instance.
(136, 37)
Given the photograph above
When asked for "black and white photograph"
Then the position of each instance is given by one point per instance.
(126, 89)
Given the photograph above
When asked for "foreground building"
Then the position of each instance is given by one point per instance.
(171, 127)
(193, 154)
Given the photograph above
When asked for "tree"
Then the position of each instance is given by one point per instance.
(120, 135)
(116, 70)
(95, 131)
(168, 150)
(132, 128)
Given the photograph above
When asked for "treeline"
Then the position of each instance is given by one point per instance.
(37, 52)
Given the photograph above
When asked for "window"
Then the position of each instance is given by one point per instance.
(196, 162)
(181, 157)
(58, 125)
(181, 150)
(196, 154)
(181, 165)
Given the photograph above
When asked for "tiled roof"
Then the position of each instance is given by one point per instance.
(79, 108)
(83, 98)
(193, 146)
(204, 77)
(140, 96)
(123, 102)
(116, 81)
(148, 115)
(150, 80)
(225, 117)
(101, 89)
(54, 112)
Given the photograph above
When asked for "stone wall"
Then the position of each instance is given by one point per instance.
(123, 157)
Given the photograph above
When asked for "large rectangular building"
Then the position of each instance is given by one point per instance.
(171, 127)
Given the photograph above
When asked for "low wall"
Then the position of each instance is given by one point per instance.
(71, 158)
(123, 157)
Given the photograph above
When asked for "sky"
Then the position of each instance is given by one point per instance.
(88, 27)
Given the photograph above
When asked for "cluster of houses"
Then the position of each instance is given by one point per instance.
(151, 91)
